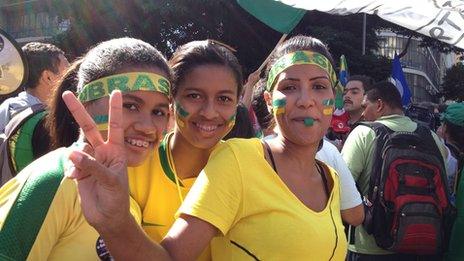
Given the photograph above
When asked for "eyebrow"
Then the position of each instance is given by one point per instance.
(133, 97)
(199, 90)
(311, 79)
(353, 88)
(141, 101)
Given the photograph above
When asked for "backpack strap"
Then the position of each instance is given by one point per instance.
(28, 212)
(382, 134)
(21, 147)
(16, 121)
(7, 161)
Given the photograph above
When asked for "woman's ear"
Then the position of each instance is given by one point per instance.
(268, 98)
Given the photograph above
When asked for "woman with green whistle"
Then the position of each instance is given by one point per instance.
(40, 214)
(257, 200)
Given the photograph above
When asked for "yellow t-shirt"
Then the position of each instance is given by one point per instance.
(64, 234)
(153, 186)
(240, 194)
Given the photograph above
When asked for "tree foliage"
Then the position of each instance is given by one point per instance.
(168, 24)
(453, 83)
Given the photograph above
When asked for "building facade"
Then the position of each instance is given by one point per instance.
(30, 20)
(423, 67)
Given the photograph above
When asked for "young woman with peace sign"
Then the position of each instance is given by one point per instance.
(40, 214)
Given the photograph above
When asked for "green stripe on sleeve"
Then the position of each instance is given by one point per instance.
(28, 213)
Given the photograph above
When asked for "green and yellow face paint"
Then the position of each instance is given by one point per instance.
(125, 82)
(328, 107)
(182, 114)
(278, 106)
(300, 57)
(101, 121)
(231, 121)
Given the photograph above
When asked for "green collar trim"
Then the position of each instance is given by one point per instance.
(163, 151)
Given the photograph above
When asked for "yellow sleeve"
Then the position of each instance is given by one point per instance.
(217, 193)
(135, 211)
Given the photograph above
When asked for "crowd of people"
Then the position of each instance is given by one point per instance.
(126, 155)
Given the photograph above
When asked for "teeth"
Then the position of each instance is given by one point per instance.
(207, 128)
(138, 143)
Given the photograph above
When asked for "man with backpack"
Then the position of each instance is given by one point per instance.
(398, 168)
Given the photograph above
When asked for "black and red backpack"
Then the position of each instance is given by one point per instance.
(409, 210)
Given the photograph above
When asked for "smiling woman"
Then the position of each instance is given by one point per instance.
(252, 194)
(40, 218)
(206, 85)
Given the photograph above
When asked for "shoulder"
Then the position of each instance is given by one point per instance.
(238, 147)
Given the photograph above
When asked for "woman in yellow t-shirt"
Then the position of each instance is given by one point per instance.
(40, 214)
(270, 200)
(207, 81)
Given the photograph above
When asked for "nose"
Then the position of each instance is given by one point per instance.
(209, 110)
(145, 124)
(306, 99)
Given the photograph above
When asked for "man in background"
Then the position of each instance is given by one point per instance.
(46, 64)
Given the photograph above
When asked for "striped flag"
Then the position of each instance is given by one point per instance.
(439, 19)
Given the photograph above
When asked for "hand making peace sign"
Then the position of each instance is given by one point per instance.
(101, 178)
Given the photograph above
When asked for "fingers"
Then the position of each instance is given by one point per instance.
(84, 120)
(115, 128)
(85, 166)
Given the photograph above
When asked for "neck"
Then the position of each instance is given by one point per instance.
(392, 111)
(302, 156)
(39, 93)
(355, 116)
(188, 160)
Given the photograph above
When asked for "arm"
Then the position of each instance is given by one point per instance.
(351, 206)
(249, 87)
(353, 216)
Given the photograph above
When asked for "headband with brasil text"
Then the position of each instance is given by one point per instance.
(125, 82)
(300, 57)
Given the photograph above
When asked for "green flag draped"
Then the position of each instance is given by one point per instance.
(276, 15)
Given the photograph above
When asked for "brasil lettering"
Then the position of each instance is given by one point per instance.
(125, 82)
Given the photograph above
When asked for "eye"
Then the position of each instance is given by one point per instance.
(288, 87)
(225, 99)
(159, 112)
(194, 96)
(130, 106)
(319, 86)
